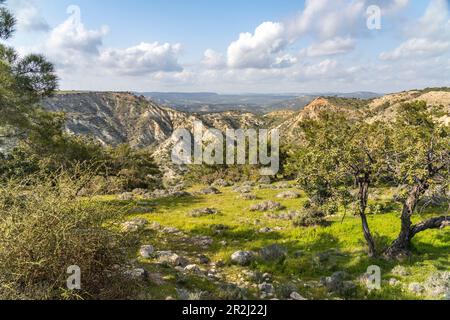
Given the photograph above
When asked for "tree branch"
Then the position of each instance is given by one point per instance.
(434, 223)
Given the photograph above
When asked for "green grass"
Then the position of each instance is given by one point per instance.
(431, 248)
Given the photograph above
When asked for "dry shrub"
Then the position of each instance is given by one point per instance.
(45, 228)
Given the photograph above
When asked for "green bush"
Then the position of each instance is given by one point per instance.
(310, 216)
(45, 228)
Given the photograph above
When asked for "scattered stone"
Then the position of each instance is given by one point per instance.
(181, 194)
(171, 230)
(202, 241)
(438, 284)
(209, 191)
(266, 288)
(134, 225)
(160, 193)
(242, 258)
(394, 282)
(146, 251)
(171, 258)
(248, 196)
(282, 185)
(126, 196)
(139, 192)
(288, 195)
(296, 296)
(273, 252)
(193, 268)
(202, 212)
(400, 271)
(136, 274)
(221, 183)
(243, 189)
(286, 216)
(265, 180)
(415, 288)
(219, 229)
(266, 206)
(265, 230)
(267, 277)
(337, 284)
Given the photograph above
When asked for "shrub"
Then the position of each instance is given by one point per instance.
(45, 228)
(310, 216)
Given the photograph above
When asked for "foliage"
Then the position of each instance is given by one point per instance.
(311, 216)
(23, 82)
(45, 228)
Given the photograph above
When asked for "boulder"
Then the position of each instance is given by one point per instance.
(136, 274)
(146, 251)
(242, 258)
(171, 258)
(203, 212)
(266, 288)
(265, 180)
(243, 189)
(248, 196)
(438, 284)
(193, 268)
(288, 195)
(221, 183)
(266, 206)
(265, 230)
(336, 283)
(134, 225)
(296, 296)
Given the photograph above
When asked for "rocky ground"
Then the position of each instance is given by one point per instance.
(219, 243)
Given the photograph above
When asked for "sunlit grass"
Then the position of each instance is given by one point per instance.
(343, 234)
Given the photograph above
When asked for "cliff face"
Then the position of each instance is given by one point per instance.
(115, 118)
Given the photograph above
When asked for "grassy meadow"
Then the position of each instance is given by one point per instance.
(312, 253)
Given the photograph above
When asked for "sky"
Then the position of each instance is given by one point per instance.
(235, 46)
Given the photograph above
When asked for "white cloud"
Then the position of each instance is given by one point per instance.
(416, 47)
(213, 59)
(70, 43)
(143, 59)
(72, 46)
(428, 37)
(435, 23)
(29, 17)
(258, 50)
(330, 47)
(320, 69)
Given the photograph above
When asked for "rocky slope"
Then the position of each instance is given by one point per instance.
(114, 118)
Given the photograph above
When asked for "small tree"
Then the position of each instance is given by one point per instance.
(337, 155)
(420, 163)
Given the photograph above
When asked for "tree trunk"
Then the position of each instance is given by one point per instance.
(363, 197)
(402, 245)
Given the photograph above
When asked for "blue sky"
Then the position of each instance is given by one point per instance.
(239, 46)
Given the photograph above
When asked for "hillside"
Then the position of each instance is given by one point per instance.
(114, 118)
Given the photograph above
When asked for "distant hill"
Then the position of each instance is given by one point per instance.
(256, 103)
(122, 117)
